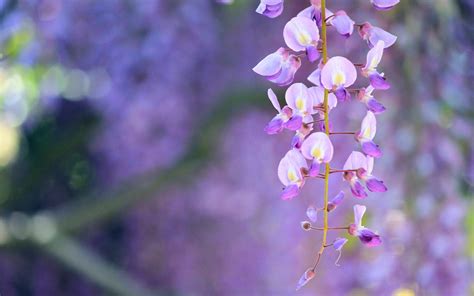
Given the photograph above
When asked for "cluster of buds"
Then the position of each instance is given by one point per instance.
(307, 109)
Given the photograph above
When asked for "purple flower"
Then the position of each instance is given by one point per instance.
(365, 235)
(337, 74)
(338, 244)
(317, 95)
(302, 34)
(289, 173)
(301, 104)
(270, 8)
(371, 182)
(355, 161)
(373, 34)
(343, 24)
(279, 67)
(318, 148)
(314, 13)
(280, 120)
(337, 200)
(374, 56)
(366, 97)
(305, 278)
(384, 4)
(367, 134)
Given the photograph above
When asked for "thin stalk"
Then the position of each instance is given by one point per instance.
(326, 124)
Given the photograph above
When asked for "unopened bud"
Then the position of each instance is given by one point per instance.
(306, 225)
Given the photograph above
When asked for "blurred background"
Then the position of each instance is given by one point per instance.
(133, 159)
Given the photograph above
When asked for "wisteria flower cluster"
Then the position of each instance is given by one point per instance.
(307, 109)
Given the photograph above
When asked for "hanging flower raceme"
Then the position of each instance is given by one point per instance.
(354, 162)
(365, 235)
(270, 8)
(343, 24)
(367, 134)
(384, 4)
(279, 67)
(319, 149)
(374, 56)
(302, 34)
(373, 34)
(290, 173)
(309, 108)
(366, 97)
(338, 74)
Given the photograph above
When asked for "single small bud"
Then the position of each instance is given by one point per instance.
(352, 229)
(306, 225)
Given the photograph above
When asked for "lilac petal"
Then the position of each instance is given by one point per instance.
(274, 126)
(294, 123)
(376, 34)
(305, 278)
(289, 168)
(298, 98)
(287, 73)
(312, 53)
(384, 4)
(337, 200)
(339, 243)
(300, 32)
(290, 192)
(314, 169)
(342, 94)
(270, 9)
(271, 64)
(318, 146)
(338, 72)
(315, 77)
(355, 161)
(375, 106)
(374, 56)
(343, 24)
(359, 212)
(312, 214)
(375, 185)
(369, 238)
(297, 141)
(368, 127)
(371, 149)
(274, 100)
(358, 190)
(378, 81)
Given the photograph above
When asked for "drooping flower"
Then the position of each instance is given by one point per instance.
(290, 173)
(373, 34)
(338, 244)
(305, 278)
(355, 161)
(318, 148)
(366, 97)
(365, 235)
(374, 56)
(367, 134)
(337, 200)
(270, 8)
(371, 182)
(279, 67)
(278, 122)
(384, 4)
(302, 34)
(343, 24)
(301, 104)
(338, 74)
(312, 213)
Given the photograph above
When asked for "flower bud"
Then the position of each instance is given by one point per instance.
(306, 225)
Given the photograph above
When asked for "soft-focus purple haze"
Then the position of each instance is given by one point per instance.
(154, 69)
